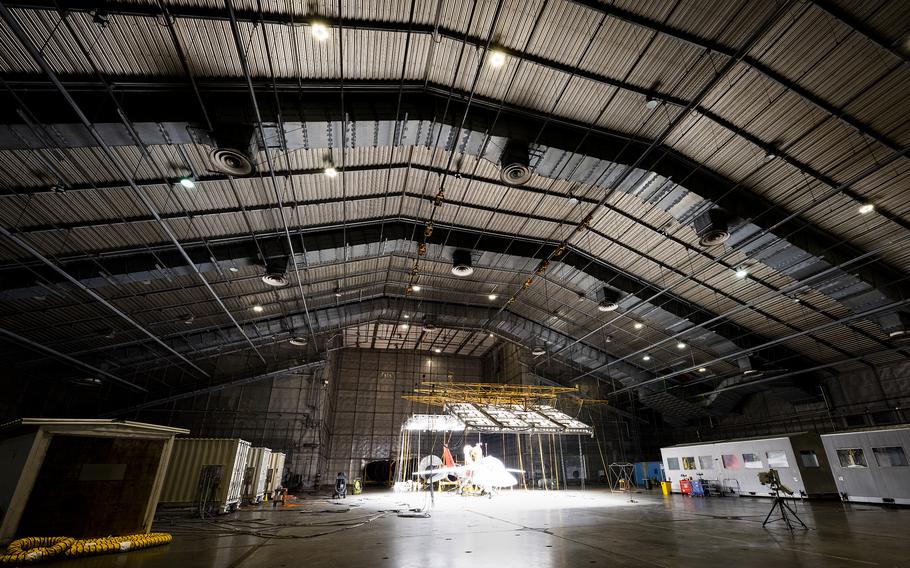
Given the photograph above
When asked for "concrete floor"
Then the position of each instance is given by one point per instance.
(522, 529)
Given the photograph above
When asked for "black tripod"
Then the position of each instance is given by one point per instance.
(784, 510)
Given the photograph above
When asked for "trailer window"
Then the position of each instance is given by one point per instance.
(777, 458)
(808, 458)
(752, 461)
(688, 463)
(706, 462)
(890, 456)
(731, 461)
(673, 463)
(851, 457)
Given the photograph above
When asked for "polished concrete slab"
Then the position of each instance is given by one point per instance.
(521, 529)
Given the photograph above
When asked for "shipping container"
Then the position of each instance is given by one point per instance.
(206, 473)
(98, 477)
(871, 466)
(257, 469)
(732, 466)
(276, 472)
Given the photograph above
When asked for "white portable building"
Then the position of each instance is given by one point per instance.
(276, 472)
(871, 466)
(206, 472)
(733, 465)
(257, 469)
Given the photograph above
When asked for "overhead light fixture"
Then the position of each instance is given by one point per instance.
(187, 182)
(491, 335)
(416, 288)
(330, 172)
(680, 345)
(751, 372)
(188, 319)
(257, 308)
(320, 32)
(866, 208)
(405, 326)
(573, 200)
(651, 103)
(233, 269)
(275, 279)
(702, 369)
(437, 350)
(337, 292)
(897, 333)
(406, 316)
(742, 273)
(299, 341)
(492, 297)
(497, 58)
(638, 325)
(608, 299)
(429, 326)
(581, 297)
(646, 358)
(770, 156)
(538, 351)
(461, 263)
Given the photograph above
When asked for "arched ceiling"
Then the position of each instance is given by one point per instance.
(106, 261)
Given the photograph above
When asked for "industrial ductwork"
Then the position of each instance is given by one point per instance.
(461, 263)
(712, 227)
(515, 163)
(608, 300)
(232, 155)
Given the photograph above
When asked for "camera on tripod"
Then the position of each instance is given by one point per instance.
(772, 479)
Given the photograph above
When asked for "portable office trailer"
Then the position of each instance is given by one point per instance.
(276, 472)
(871, 466)
(206, 471)
(257, 469)
(733, 465)
(81, 478)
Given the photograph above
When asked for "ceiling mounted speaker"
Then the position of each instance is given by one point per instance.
(231, 162)
(712, 228)
(515, 163)
(461, 263)
(276, 279)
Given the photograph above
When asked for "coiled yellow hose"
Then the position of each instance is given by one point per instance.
(35, 549)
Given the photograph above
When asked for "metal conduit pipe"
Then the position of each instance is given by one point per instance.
(120, 167)
(855, 179)
(268, 158)
(53, 266)
(744, 352)
(37, 346)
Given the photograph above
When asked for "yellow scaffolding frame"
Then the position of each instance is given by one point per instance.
(440, 393)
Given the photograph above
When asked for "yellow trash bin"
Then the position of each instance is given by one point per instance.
(666, 487)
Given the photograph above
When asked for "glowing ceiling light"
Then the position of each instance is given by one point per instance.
(491, 335)
(405, 326)
(437, 350)
(320, 32)
(187, 182)
(497, 58)
(416, 288)
(646, 358)
(233, 269)
(638, 325)
(492, 297)
(702, 369)
(866, 209)
(651, 103)
(406, 316)
(742, 273)
(257, 308)
(680, 345)
(330, 172)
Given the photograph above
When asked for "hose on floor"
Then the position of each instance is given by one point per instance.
(35, 549)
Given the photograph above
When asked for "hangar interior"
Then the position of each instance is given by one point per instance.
(296, 226)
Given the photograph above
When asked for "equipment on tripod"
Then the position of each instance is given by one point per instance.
(772, 479)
